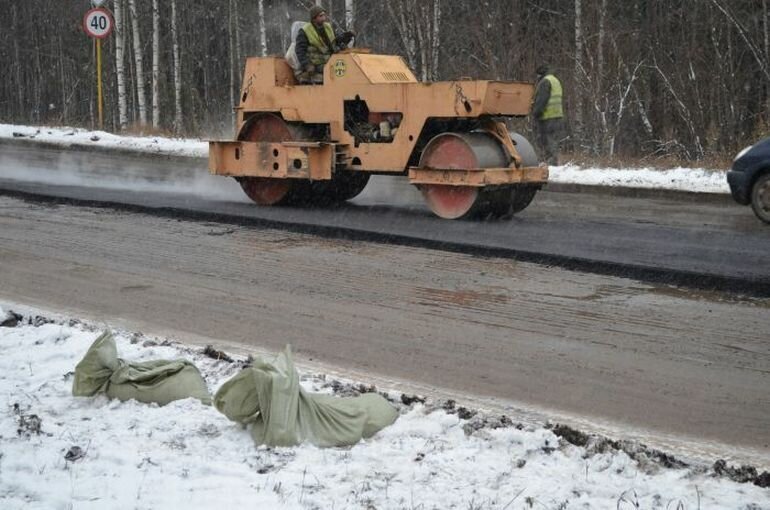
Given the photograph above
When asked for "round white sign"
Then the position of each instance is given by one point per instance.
(97, 23)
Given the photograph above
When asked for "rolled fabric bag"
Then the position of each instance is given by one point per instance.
(157, 381)
(268, 398)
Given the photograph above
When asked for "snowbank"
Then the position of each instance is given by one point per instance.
(698, 180)
(58, 451)
(680, 179)
(76, 137)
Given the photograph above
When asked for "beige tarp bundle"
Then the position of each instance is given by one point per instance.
(269, 398)
(157, 381)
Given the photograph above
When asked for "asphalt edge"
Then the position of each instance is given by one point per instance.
(651, 275)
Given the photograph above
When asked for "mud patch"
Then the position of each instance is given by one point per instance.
(135, 288)
(708, 296)
(464, 298)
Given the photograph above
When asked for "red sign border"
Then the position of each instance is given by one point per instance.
(107, 13)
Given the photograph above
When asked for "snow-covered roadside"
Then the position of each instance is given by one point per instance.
(697, 180)
(187, 454)
(680, 179)
(77, 137)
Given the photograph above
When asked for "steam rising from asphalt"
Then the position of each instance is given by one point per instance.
(100, 169)
(158, 174)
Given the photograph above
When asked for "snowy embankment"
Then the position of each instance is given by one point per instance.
(680, 179)
(58, 451)
(76, 137)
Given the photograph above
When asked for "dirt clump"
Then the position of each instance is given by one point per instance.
(572, 436)
(28, 424)
(742, 474)
(211, 352)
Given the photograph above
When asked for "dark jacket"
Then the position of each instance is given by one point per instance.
(542, 95)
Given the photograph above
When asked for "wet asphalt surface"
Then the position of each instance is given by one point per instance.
(692, 240)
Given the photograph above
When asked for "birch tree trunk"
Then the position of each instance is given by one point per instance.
(38, 86)
(262, 28)
(422, 44)
(177, 71)
(139, 62)
(767, 59)
(63, 85)
(237, 29)
(578, 76)
(18, 66)
(436, 39)
(231, 44)
(155, 65)
(120, 65)
(350, 14)
(602, 100)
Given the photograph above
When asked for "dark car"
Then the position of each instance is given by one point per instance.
(749, 178)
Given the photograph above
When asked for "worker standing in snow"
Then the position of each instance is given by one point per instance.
(316, 43)
(548, 111)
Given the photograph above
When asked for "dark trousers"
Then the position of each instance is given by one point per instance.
(548, 137)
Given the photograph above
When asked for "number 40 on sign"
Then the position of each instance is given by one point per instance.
(97, 23)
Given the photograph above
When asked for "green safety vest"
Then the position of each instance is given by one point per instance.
(554, 108)
(317, 52)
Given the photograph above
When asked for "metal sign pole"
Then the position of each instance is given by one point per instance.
(99, 96)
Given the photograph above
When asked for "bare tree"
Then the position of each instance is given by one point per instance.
(579, 71)
(684, 112)
(404, 26)
(762, 62)
(177, 70)
(155, 65)
(640, 75)
(350, 14)
(17, 60)
(602, 100)
(766, 33)
(262, 28)
(418, 24)
(120, 64)
(232, 20)
(139, 62)
(436, 39)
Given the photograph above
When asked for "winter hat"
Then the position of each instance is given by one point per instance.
(543, 70)
(315, 11)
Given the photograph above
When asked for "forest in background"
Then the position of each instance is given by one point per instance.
(647, 79)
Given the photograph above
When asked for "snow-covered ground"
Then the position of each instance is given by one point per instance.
(682, 179)
(62, 452)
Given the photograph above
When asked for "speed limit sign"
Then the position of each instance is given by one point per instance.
(97, 23)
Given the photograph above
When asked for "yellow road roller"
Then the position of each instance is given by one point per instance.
(319, 144)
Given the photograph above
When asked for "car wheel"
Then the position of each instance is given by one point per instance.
(760, 197)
